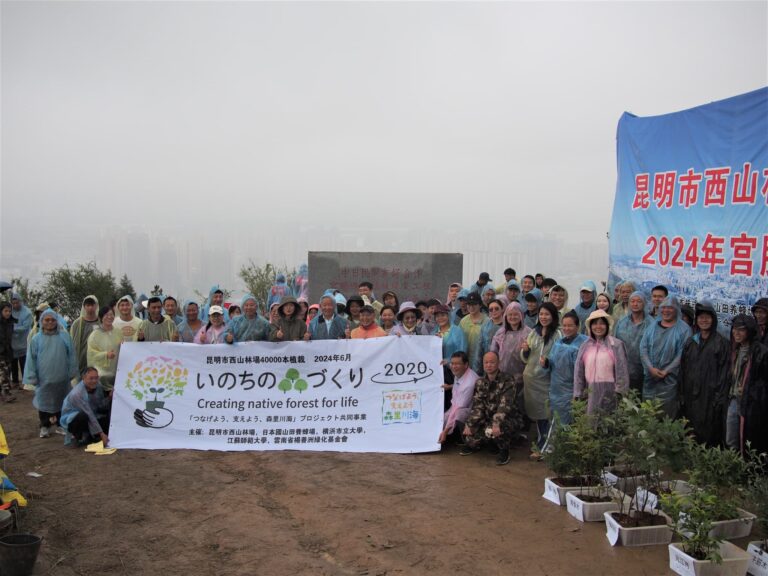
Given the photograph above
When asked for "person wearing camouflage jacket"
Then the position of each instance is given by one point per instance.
(495, 414)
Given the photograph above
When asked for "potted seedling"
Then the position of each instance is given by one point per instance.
(724, 473)
(591, 442)
(645, 442)
(757, 494)
(564, 458)
(700, 552)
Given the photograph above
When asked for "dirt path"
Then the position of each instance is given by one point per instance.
(273, 513)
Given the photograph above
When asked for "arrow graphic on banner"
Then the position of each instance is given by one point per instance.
(409, 381)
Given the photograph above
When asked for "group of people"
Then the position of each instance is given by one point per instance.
(514, 355)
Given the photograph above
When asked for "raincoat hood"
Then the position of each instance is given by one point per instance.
(513, 284)
(536, 293)
(187, 304)
(762, 303)
(463, 293)
(594, 316)
(82, 306)
(748, 322)
(127, 298)
(513, 306)
(589, 285)
(280, 279)
(487, 288)
(706, 307)
(340, 300)
(671, 302)
(245, 299)
(287, 300)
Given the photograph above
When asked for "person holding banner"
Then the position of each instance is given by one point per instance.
(213, 332)
(462, 390)
(368, 327)
(327, 325)
(408, 317)
(249, 326)
(661, 350)
(495, 417)
(289, 327)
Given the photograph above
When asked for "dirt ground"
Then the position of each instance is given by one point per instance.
(273, 513)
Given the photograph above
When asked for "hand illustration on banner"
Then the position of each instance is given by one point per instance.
(163, 377)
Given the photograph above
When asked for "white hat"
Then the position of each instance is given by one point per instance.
(215, 310)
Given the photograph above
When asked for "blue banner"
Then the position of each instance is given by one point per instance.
(691, 206)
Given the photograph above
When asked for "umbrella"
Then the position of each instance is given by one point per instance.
(5, 286)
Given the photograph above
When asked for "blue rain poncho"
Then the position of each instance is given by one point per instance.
(244, 329)
(186, 332)
(94, 406)
(487, 332)
(662, 348)
(529, 319)
(456, 314)
(279, 289)
(582, 311)
(204, 310)
(51, 363)
(21, 328)
(562, 359)
(631, 334)
(453, 341)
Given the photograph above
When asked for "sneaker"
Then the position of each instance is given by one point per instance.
(44, 432)
(60, 430)
(503, 458)
(467, 451)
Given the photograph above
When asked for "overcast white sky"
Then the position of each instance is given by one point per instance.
(148, 112)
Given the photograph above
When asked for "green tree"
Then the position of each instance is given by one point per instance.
(126, 287)
(259, 279)
(31, 295)
(69, 286)
(156, 291)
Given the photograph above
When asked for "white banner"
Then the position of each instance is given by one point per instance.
(376, 395)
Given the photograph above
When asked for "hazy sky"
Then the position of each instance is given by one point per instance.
(148, 112)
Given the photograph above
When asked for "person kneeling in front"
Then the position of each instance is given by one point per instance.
(85, 413)
(495, 418)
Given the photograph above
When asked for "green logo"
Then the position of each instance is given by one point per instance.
(292, 380)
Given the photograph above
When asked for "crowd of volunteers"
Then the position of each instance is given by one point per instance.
(515, 355)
